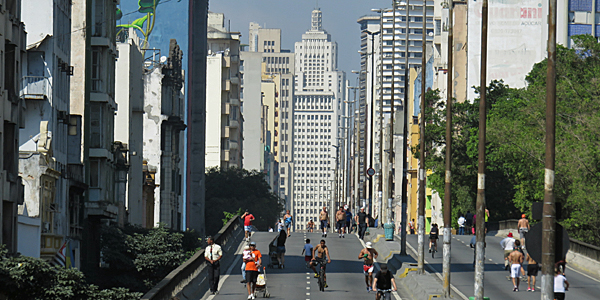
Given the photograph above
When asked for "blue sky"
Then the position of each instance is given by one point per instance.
(293, 17)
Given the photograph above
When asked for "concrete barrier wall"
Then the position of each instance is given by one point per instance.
(190, 279)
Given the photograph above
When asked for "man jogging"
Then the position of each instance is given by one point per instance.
(516, 260)
(340, 221)
(532, 270)
(248, 218)
(362, 220)
(368, 254)
(324, 218)
(384, 280)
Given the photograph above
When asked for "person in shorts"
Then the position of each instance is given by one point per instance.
(248, 218)
(307, 251)
(288, 220)
(324, 218)
(368, 254)
(523, 228)
(340, 218)
(532, 270)
(516, 262)
(252, 265)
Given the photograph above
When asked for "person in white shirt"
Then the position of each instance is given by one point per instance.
(561, 285)
(213, 255)
(508, 244)
(461, 225)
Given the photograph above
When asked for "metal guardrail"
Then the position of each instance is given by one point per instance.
(179, 278)
(579, 247)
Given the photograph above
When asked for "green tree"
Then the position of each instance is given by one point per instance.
(25, 277)
(232, 189)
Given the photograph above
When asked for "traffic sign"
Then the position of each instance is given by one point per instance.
(370, 171)
(533, 241)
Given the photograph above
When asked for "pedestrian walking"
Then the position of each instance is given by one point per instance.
(362, 220)
(348, 220)
(253, 263)
(523, 228)
(508, 245)
(340, 218)
(281, 248)
(532, 270)
(469, 222)
(516, 261)
(561, 285)
(307, 252)
(213, 254)
(461, 225)
(368, 255)
(248, 218)
(288, 220)
(245, 254)
(324, 218)
(411, 226)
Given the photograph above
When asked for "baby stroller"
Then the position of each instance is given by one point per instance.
(273, 254)
(261, 284)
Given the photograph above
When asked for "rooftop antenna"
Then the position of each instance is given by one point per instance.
(318, 8)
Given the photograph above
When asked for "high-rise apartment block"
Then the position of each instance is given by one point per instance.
(224, 117)
(318, 107)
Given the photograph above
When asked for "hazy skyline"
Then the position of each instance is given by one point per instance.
(293, 17)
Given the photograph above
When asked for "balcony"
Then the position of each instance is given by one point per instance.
(35, 88)
(234, 124)
(226, 85)
(233, 145)
(226, 61)
(235, 80)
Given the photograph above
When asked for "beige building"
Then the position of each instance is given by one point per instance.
(224, 138)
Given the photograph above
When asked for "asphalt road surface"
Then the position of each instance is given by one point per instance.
(296, 282)
(496, 285)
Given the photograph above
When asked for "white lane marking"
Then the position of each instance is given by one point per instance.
(585, 275)
(307, 294)
(438, 274)
(230, 269)
(308, 282)
(308, 287)
(375, 262)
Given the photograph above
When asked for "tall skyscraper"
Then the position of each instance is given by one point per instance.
(277, 86)
(320, 90)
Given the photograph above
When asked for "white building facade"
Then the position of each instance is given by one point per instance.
(44, 223)
(129, 120)
(320, 90)
(163, 137)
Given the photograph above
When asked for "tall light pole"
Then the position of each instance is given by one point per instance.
(480, 204)
(448, 187)
(335, 187)
(421, 206)
(549, 209)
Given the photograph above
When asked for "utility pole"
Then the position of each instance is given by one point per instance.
(448, 178)
(549, 213)
(380, 187)
(421, 205)
(404, 142)
(480, 206)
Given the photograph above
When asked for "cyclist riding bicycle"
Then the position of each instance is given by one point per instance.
(320, 252)
(433, 236)
(383, 282)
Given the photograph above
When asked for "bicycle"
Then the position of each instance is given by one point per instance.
(321, 279)
(433, 248)
(385, 294)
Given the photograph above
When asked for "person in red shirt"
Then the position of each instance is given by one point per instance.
(253, 263)
(248, 218)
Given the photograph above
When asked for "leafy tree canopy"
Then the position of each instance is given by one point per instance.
(233, 190)
(515, 148)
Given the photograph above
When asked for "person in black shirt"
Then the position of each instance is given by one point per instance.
(384, 280)
(433, 237)
(362, 220)
(469, 222)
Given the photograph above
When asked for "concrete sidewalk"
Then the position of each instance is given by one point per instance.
(404, 267)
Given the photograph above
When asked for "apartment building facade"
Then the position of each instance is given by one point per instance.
(224, 138)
